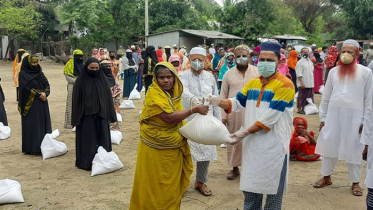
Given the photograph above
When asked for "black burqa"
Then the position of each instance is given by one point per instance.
(78, 64)
(168, 53)
(35, 116)
(149, 63)
(92, 111)
(3, 117)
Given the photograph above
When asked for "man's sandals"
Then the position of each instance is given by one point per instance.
(356, 190)
(322, 183)
(202, 188)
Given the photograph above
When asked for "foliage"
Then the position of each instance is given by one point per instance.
(357, 18)
(18, 19)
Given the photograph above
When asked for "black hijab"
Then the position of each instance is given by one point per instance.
(129, 56)
(92, 96)
(31, 78)
(168, 52)
(78, 64)
(150, 53)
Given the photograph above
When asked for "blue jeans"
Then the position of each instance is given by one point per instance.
(253, 201)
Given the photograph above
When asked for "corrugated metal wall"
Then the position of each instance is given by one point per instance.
(165, 39)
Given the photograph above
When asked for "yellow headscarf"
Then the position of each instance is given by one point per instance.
(319, 49)
(69, 67)
(153, 130)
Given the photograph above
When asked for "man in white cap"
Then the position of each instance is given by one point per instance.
(212, 50)
(310, 54)
(199, 84)
(368, 55)
(268, 103)
(345, 117)
(175, 51)
(135, 55)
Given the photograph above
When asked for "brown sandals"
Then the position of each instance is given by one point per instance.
(202, 188)
(322, 183)
(356, 190)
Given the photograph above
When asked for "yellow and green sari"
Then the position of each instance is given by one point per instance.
(164, 163)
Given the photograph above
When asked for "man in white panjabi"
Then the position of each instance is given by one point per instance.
(199, 84)
(268, 102)
(234, 80)
(345, 115)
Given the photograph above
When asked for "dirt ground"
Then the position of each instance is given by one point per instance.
(57, 184)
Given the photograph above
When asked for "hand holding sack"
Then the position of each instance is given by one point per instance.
(51, 147)
(10, 192)
(239, 136)
(206, 129)
(105, 162)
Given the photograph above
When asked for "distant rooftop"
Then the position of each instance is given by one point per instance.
(286, 36)
(205, 34)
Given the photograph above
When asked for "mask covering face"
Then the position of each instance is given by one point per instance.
(242, 60)
(196, 65)
(112, 56)
(305, 55)
(346, 58)
(266, 69)
(231, 62)
(92, 73)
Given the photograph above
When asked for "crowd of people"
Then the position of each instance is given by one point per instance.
(251, 91)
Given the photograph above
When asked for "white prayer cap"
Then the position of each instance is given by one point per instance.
(133, 46)
(174, 45)
(313, 45)
(352, 42)
(197, 51)
(371, 44)
(128, 50)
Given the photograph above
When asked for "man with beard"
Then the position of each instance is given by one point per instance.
(305, 80)
(198, 84)
(234, 80)
(345, 115)
(268, 102)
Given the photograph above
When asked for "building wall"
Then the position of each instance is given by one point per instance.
(190, 42)
(165, 39)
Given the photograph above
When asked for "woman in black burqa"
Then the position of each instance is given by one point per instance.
(149, 63)
(92, 111)
(33, 105)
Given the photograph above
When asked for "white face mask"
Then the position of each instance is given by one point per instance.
(242, 60)
(346, 58)
(197, 65)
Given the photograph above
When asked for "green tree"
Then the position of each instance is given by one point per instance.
(356, 19)
(18, 19)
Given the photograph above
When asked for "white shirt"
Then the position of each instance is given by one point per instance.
(345, 105)
(200, 85)
(212, 51)
(304, 69)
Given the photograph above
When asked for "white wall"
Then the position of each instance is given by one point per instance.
(165, 39)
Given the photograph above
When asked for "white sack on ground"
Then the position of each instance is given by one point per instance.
(127, 104)
(134, 95)
(51, 147)
(10, 192)
(4, 131)
(105, 162)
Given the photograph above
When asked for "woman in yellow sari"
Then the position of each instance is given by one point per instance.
(17, 68)
(164, 163)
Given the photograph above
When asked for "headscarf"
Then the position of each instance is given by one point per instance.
(173, 58)
(156, 102)
(105, 65)
(131, 61)
(94, 52)
(75, 65)
(167, 50)
(295, 122)
(283, 69)
(225, 66)
(216, 59)
(150, 61)
(319, 50)
(159, 53)
(27, 93)
(92, 96)
(293, 59)
(317, 58)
